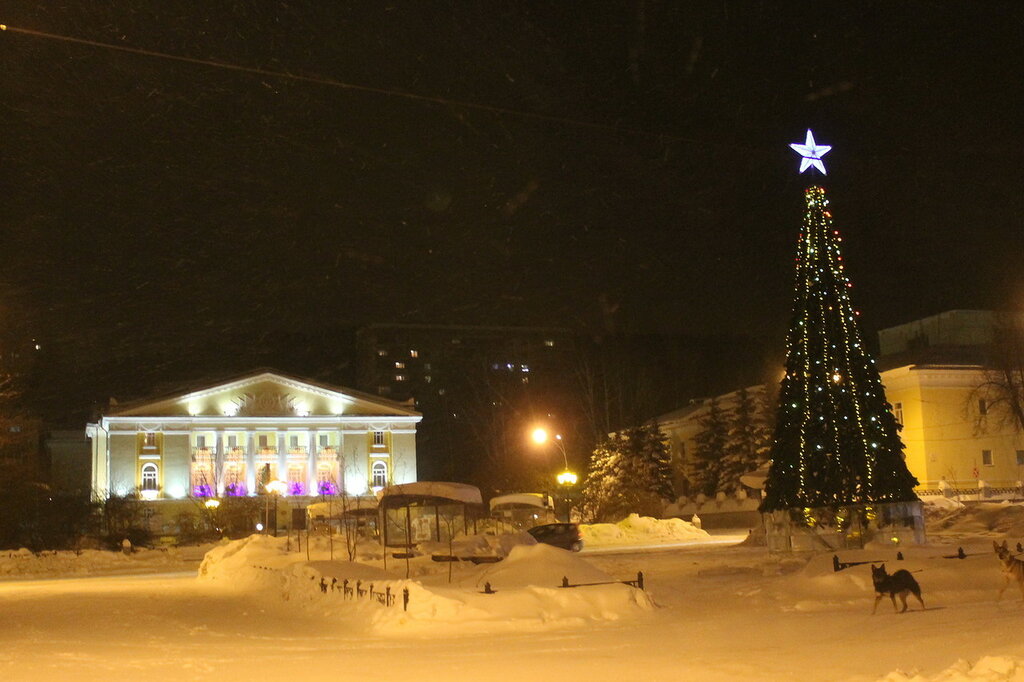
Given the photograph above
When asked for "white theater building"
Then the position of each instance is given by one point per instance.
(231, 438)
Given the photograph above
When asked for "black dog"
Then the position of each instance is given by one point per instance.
(899, 583)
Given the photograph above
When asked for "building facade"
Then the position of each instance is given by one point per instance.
(232, 438)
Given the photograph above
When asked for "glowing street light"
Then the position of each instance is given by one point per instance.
(275, 488)
(539, 435)
(566, 478)
(212, 503)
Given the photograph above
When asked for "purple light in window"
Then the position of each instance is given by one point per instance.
(235, 490)
(296, 488)
(202, 490)
(327, 488)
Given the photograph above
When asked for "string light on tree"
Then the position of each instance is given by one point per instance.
(836, 441)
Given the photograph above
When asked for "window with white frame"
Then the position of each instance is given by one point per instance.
(232, 442)
(150, 477)
(986, 457)
(379, 475)
(293, 441)
(200, 442)
(264, 441)
(324, 440)
(378, 439)
(897, 411)
(149, 440)
(414, 353)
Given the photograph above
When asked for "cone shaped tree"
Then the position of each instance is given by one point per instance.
(836, 441)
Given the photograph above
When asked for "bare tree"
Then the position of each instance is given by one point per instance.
(1000, 395)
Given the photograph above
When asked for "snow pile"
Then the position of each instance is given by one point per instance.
(526, 586)
(938, 503)
(24, 563)
(640, 530)
(478, 545)
(988, 669)
(527, 595)
(981, 519)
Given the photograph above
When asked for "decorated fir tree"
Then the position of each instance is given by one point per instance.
(836, 441)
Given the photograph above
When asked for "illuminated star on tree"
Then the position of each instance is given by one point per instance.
(811, 153)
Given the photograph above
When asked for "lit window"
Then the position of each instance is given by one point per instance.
(379, 475)
(399, 365)
(897, 411)
(986, 457)
(428, 378)
(414, 353)
(550, 343)
(378, 438)
(382, 353)
(399, 377)
(150, 475)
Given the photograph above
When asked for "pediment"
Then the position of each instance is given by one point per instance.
(266, 394)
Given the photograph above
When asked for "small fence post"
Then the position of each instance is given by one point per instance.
(405, 599)
(640, 579)
(387, 595)
(565, 581)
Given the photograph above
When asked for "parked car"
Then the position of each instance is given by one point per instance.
(564, 535)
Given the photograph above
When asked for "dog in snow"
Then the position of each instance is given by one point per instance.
(1013, 568)
(899, 583)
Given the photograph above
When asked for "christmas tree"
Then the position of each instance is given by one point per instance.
(836, 441)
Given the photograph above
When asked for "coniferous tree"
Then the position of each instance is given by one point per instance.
(705, 468)
(836, 441)
(746, 446)
(630, 472)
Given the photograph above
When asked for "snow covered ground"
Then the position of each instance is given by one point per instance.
(711, 612)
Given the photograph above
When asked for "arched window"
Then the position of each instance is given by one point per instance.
(378, 475)
(150, 476)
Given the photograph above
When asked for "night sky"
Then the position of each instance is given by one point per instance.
(167, 220)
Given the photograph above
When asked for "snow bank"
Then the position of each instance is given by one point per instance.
(23, 563)
(984, 518)
(527, 596)
(526, 585)
(640, 530)
(988, 669)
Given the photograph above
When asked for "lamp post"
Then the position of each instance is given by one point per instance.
(567, 479)
(211, 506)
(275, 488)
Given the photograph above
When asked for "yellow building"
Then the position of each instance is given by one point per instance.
(231, 438)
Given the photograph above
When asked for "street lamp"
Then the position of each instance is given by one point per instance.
(275, 488)
(567, 478)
